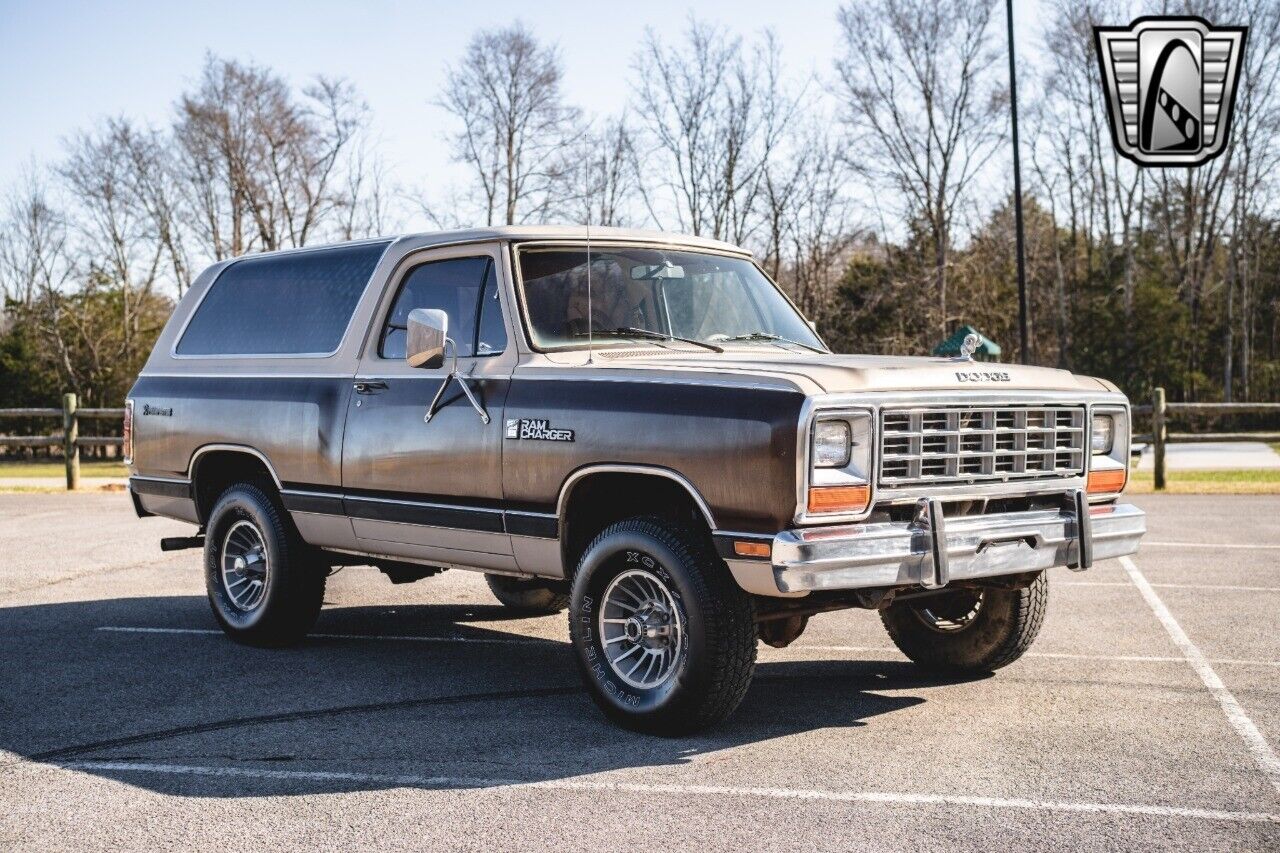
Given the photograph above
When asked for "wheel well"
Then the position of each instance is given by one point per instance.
(598, 500)
(216, 470)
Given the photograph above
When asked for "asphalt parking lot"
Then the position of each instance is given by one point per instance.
(423, 716)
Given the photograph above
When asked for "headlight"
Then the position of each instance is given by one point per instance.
(840, 457)
(831, 441)
(1104, 434)
(1109, 441)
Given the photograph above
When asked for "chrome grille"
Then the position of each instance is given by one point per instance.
(980, 443)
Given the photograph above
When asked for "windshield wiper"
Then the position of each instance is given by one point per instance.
(633, 332)
(766, 336)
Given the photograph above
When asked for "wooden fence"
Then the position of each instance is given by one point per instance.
(70, 440)
(1160, 437)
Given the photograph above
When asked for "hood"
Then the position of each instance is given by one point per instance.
(847, 373)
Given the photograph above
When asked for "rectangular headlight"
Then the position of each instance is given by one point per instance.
(1104, 434)
(831, 443)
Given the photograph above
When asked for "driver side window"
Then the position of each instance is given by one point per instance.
(466, 289)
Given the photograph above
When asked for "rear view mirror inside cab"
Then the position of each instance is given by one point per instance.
(649, 272)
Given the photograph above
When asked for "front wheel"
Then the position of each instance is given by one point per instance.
(969, 630)
(664, 638)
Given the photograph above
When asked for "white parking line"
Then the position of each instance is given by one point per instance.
(1215, 545)
(1062, 655)
(881, 797)
(1227, 587)
(122, 629)
(1253, 739)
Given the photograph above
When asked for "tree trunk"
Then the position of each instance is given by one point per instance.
(940, 274)
(1229, 330)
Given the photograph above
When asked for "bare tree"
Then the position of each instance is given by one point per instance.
(1254, 181)
(713, 114)
(505, 95)
(600, 176)
(1106, 192)
(150, 180)
(261, 166)
(923, 106)
(369, 205)
(118, 247)
(809, 219)
(33, 243)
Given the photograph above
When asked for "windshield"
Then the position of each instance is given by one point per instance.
(667, 293)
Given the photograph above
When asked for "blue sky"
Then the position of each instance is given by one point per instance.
(65, 64)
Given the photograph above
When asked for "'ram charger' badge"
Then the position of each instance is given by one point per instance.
(536, 430)
(1170, 86)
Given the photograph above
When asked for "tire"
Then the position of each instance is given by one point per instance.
(697, 632)
(528, 595)
(283, 606)
(943, 633)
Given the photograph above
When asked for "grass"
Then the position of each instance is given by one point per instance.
(1244, 482)
(54, 468)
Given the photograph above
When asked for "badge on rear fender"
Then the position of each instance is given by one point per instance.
(1170, 84)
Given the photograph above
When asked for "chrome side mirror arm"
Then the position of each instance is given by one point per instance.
(462, 383)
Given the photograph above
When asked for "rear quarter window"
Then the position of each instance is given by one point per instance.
(293, 304)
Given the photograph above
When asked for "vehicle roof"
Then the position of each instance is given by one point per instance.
(521, 233)
(570, 232)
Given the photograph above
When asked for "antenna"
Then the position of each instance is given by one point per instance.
(590, 336)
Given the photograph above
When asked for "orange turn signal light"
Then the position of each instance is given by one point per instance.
(1107, 482)
(829, 499)
(752, 549)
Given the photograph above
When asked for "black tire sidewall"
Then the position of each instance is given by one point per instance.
(608, 557)
(245, 503)
(996, 637)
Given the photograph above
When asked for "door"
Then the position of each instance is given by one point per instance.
(431, 489)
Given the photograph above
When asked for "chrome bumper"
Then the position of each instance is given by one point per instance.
(857, 556)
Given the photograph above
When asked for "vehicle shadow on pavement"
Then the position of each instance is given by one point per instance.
(480, 707)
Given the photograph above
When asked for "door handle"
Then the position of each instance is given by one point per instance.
(370, 387)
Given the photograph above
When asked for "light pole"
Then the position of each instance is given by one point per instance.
(1023, 354)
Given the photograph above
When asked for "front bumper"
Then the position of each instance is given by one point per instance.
(859, 556)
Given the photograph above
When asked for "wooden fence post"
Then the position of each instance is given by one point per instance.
(1158, 434)
(71, 432)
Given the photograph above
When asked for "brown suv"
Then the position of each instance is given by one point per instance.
(639, 427)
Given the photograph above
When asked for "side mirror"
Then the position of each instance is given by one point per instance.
(425, 337)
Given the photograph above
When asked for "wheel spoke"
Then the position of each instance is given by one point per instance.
(638, 599)
(652, 626)
(655, 664)
(644, 657)
(245, 566)
(627, 654)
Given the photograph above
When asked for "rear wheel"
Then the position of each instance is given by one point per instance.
(529, 595)
(664, 638)
(969, 630)
(263, 587)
